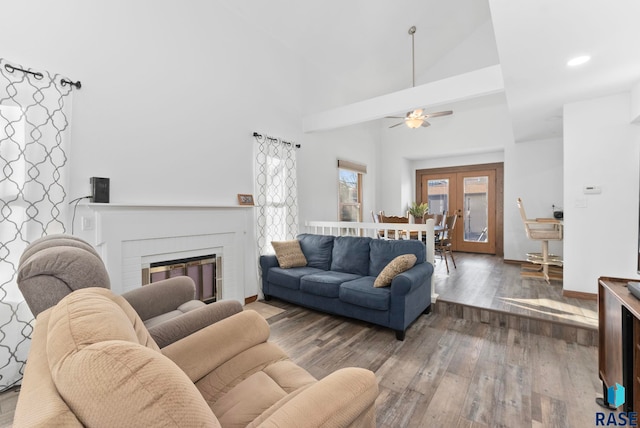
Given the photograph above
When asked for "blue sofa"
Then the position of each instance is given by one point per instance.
(339, 277)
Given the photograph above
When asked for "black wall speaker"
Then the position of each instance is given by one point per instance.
(99, 189)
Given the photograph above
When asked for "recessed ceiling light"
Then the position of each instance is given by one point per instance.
(579, 60)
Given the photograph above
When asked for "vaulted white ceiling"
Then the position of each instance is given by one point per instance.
(364, 45)
(536, 39)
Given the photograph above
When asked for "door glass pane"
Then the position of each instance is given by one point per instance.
(476, 215)
(438, 196)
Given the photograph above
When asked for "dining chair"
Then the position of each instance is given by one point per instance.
(443, 244)
(391, 234)
(543, 230)
(437, 218)
(394, 219)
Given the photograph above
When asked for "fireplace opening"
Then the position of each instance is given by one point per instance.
(204, 270)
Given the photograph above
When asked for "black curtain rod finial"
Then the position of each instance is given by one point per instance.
(77, 84)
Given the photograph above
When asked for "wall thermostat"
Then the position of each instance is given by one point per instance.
(591, 190)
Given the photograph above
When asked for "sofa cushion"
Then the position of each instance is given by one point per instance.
(325, 284)
(317, 249)
(395, 267)
(383, 251)
(289, 278)
(351, 255)
(361, 292)
(289, 254)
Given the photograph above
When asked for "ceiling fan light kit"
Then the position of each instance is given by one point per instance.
(416, 119)
(413, 123)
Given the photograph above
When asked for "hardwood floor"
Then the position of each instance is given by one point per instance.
(465, 365)
(484, 288)
(451, 372)
(486, 281)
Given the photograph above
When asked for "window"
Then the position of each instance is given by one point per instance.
(350, 190)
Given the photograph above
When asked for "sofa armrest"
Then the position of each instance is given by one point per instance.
(343, 397)
(408, 280)
(203, 351)
(161, 297)
(267, 262)
(179, 327)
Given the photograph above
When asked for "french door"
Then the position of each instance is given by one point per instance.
(471, 194)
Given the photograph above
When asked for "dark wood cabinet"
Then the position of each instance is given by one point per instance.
(619, 339)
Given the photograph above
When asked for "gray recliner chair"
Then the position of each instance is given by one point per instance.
(54, 266)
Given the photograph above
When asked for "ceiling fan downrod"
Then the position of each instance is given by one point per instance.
(412, 31)
(416, 118)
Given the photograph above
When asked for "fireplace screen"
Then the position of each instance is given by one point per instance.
(205, 272)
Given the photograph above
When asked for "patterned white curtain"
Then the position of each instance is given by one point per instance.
(34, 123)
(276, 191)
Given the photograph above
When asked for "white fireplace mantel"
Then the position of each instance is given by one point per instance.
(128, 235)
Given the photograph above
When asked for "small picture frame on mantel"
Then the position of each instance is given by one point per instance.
(245, 199)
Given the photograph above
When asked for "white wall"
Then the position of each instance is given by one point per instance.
(171, 93)
(635, 103)
(601, 148)
(318, 170)
(534, 172)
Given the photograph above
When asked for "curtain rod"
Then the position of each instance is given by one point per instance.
(255, 134)
(10, 68)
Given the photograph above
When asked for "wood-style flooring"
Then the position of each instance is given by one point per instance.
(465, 364)
(484, 288)
(487, 282)
(451, 372)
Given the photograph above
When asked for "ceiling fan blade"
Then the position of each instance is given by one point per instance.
(439, 113)
(425, 124)
(397, 124)
(394, 117)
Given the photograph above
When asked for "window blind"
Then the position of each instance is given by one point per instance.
(362, 169)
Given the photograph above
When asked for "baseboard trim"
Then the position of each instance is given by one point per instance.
(250, 299)
(514, 262)
(579, 295)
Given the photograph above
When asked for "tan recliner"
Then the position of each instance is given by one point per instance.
(54, 266)
(93, 363)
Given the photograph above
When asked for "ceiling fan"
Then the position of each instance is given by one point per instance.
(416, 118)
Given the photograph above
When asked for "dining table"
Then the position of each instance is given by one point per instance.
(437, 230)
